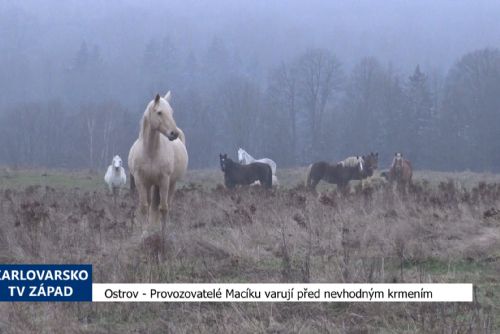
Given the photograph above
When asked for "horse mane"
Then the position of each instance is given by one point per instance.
(230, 163)
(248, 155)
(182, 137)
(352, 161)
(144, 124)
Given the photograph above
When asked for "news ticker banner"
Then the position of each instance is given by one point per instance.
(286, 292)
(41, 282)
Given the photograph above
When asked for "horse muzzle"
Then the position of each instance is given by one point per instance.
(173, 135)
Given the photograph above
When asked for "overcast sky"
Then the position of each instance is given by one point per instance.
(38, 36)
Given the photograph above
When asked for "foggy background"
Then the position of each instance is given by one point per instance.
(294, 81)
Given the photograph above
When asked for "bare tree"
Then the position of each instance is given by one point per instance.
(282, 101)
(470, 110)
(319, 76)
(240, 103)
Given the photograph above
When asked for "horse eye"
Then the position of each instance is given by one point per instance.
(159, 112)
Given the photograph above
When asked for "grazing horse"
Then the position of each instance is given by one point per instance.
(341, 173)
(400, 171)
(115, 176)
(245, 158)
(158, 158)
(235, 173)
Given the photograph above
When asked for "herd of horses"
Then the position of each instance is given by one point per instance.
(340, 173)
(158, 159)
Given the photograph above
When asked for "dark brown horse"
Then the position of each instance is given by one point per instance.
(235, 173)
(340, 174)
(400, 171)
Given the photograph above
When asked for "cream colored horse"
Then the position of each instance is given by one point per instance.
(158, 158)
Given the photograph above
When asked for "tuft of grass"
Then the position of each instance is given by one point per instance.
(19, 179)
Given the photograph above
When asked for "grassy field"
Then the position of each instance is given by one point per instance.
(288, 178)
(445, 229)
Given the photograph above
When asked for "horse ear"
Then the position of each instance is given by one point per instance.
(168, 96)
(157, 98)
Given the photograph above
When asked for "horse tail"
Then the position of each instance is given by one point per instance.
(308, 176)
(156, 197)
(410, 170)
(276, 182)
(273, 167)
(269, 180)
(132, 183)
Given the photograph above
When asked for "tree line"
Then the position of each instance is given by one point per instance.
(305, 109)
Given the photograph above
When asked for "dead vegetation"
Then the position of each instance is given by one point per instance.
(439, 232)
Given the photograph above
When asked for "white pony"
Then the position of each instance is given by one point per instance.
(245, 159)
(115, 176)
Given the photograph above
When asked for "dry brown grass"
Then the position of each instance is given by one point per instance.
(437, 232)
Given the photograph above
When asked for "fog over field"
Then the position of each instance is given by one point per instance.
(296, 81)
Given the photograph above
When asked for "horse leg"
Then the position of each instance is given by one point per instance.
(165, 200)
(153, 208)
(144, 193)
(314, 182)
(343, 187)
(115, 194)
(401, 186)
(171, 192)
(164, 190)
(144, 196)
(132, 183)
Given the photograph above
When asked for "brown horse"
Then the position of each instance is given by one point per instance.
(400, 171)
(341, 173)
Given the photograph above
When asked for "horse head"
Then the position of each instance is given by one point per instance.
(397, 163)
(117, 162)
(370, 162)
(223, 161)
(160, 116)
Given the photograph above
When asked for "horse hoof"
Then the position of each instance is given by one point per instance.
(149, 230)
